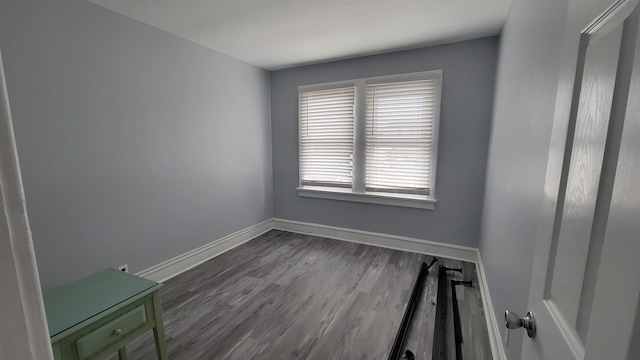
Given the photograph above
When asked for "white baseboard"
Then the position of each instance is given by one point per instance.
(181, 263)
(492, 323)
(379, 239)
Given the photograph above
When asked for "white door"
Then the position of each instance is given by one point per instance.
(23, 326)
(585, 286)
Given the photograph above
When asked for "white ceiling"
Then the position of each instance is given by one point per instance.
(275, 34)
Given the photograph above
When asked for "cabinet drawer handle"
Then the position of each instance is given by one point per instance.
(117, 332)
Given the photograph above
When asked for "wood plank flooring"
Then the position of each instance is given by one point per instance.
(292, 296)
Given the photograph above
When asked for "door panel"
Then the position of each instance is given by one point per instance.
(570, 248)
(587, 239)
(617, 289)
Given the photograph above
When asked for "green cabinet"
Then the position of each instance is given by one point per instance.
(94, 317)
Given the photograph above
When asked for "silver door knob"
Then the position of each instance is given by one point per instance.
(514, 321)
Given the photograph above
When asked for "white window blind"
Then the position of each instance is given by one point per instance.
(399, 134)
(326, 137)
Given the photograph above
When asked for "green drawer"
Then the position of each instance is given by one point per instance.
(111, 332)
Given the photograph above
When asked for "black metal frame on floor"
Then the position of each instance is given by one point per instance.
(457, 329)
(440, 327)
(396, 350)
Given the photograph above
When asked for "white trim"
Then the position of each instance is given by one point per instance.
(181, 263)
(389, 241)
(359, 184)
(419, 75)
(436, 134)
(23, 330)
(412, 201)
(327, 86)
(493, 327)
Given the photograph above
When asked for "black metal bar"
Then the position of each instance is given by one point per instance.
(440, 327)
(456, 316)
(459, 270)
(396, 350)
(433, 261)
(439, 332)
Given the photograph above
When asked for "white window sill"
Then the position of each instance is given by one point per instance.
(404, 200)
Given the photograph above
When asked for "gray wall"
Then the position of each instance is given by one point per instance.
(526, 86)
(135, 145)
(468, 83)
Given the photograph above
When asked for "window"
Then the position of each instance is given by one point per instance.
(326, 137)
(371, 140)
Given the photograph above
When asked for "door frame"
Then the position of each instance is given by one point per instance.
(25, 335)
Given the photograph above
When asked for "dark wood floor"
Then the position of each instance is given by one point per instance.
(292, 296)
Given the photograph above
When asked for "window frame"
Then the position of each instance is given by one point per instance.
(357, 192)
